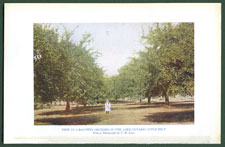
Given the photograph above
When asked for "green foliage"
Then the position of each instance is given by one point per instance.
(65, 71)
(172, 49)
(164, 68)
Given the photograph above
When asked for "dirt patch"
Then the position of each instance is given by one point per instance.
(75, 110)
(174, 117)
(121, 114)
(74, 120)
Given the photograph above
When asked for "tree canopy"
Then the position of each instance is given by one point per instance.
(166, 66)
(64, 70)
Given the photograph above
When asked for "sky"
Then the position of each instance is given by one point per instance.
(116, 42)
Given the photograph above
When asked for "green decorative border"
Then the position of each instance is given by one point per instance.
(2, 2)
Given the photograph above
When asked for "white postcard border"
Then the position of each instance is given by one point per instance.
(18, 71)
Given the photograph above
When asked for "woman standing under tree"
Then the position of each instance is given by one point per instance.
(107, 106)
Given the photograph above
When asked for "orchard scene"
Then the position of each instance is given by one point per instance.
(72, 82)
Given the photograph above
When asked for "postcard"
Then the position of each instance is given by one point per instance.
(112, 73)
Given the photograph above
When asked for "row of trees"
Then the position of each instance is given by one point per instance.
(165, 68)
(67, 71)
(64, 70)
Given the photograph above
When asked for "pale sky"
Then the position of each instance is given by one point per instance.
(115, 41)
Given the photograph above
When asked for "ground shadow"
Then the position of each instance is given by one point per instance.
(74, 120)
(119, 101)
(76, 110)
(147, 106)
(182, 116)
(183, 105)
(189, 104)
(144, 103)
(160, 104)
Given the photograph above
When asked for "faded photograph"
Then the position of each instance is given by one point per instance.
(113, 73)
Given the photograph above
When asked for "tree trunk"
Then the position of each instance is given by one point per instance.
(140, 100)
(167, 100)
(166, 97)
(67, 105)
(149, 100)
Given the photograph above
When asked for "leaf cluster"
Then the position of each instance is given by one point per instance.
(65, 71)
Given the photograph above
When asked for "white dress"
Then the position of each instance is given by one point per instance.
(107, 106)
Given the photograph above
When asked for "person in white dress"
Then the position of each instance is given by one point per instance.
(107, 107)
